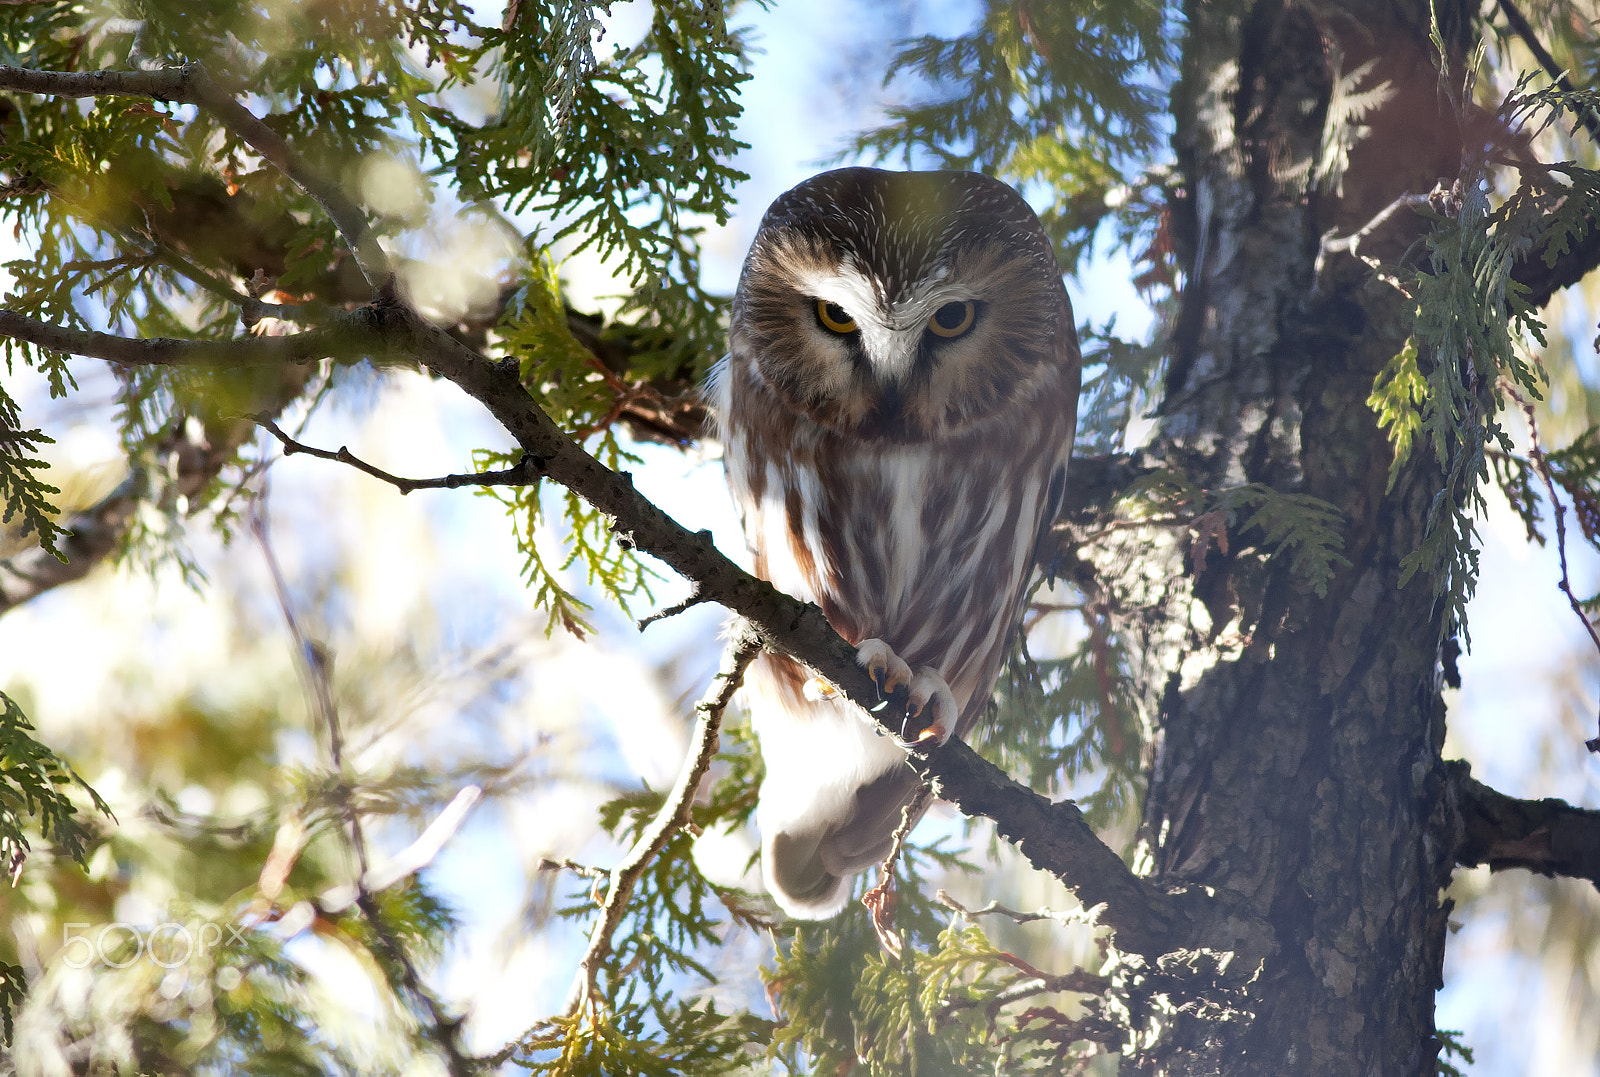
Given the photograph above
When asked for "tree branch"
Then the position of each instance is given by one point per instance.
(90, 537)
(523, 474)
(674, 813)
(1547, 836)
(191, 85)
(1524, 29)
(347, 334)
(1054, 837)
(1583, 255)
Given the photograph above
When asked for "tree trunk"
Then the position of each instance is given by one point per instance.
(1297, 767)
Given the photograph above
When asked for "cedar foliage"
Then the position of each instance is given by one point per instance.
(626, 149)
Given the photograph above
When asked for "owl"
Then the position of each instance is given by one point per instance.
(896, 409)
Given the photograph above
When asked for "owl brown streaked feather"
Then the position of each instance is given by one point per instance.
(894, 475)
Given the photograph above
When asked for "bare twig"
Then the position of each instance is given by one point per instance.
(347, 334)
(673, 816)
(994, 908)
(524, 473)
(1543, 467)
(191, 85)
(442, 1027)
(694, 598)
(1077, 980)
(880, 900)
(565, 864)
(1351, 244)
(1124, 525)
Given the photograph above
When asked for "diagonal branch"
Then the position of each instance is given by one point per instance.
(1530, 38)
(1053, 837)
(90, 537)
(1583, 255)
(674, 813)
(1056, 838)
(191, 85)
(1548, 836)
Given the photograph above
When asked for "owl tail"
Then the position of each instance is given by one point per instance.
(808, 860)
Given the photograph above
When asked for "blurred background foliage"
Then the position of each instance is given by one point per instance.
(268, 647)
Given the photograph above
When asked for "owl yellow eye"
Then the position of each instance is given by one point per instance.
(834, 318)
(953, 319)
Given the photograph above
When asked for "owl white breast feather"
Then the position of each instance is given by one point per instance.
(896, 408)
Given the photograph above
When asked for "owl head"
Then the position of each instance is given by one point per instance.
(901, 305)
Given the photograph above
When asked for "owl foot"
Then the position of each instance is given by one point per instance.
(930, 705)
(816, 690)
(887, 670)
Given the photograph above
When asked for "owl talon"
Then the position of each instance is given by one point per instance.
(931, 710)
(932, 706)
(887, 670)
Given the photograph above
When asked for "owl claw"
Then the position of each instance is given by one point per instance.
(930, 705)
(886, 668)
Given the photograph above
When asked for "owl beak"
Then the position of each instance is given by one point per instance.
(892, 351)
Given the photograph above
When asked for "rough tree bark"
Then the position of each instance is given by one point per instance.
(1297, 770)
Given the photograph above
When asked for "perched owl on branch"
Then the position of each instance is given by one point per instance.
(897, 408)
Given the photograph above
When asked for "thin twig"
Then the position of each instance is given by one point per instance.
(348, 333)
(694, 598)
(880, 899)
(525, 472)
(1126, 525)
(1351, 244)
(994, 908)
(565, 864)
(442, 1028)
(673, 816)
(1543, 467)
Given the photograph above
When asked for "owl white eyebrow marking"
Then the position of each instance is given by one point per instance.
(891, 330)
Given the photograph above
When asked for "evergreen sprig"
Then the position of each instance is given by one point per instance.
(1062, 99)
(1057, 722)
(626, 152)
(25, 494)
(1305, 528)
(33, 782)
(1473, 327)
(643, 1022)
